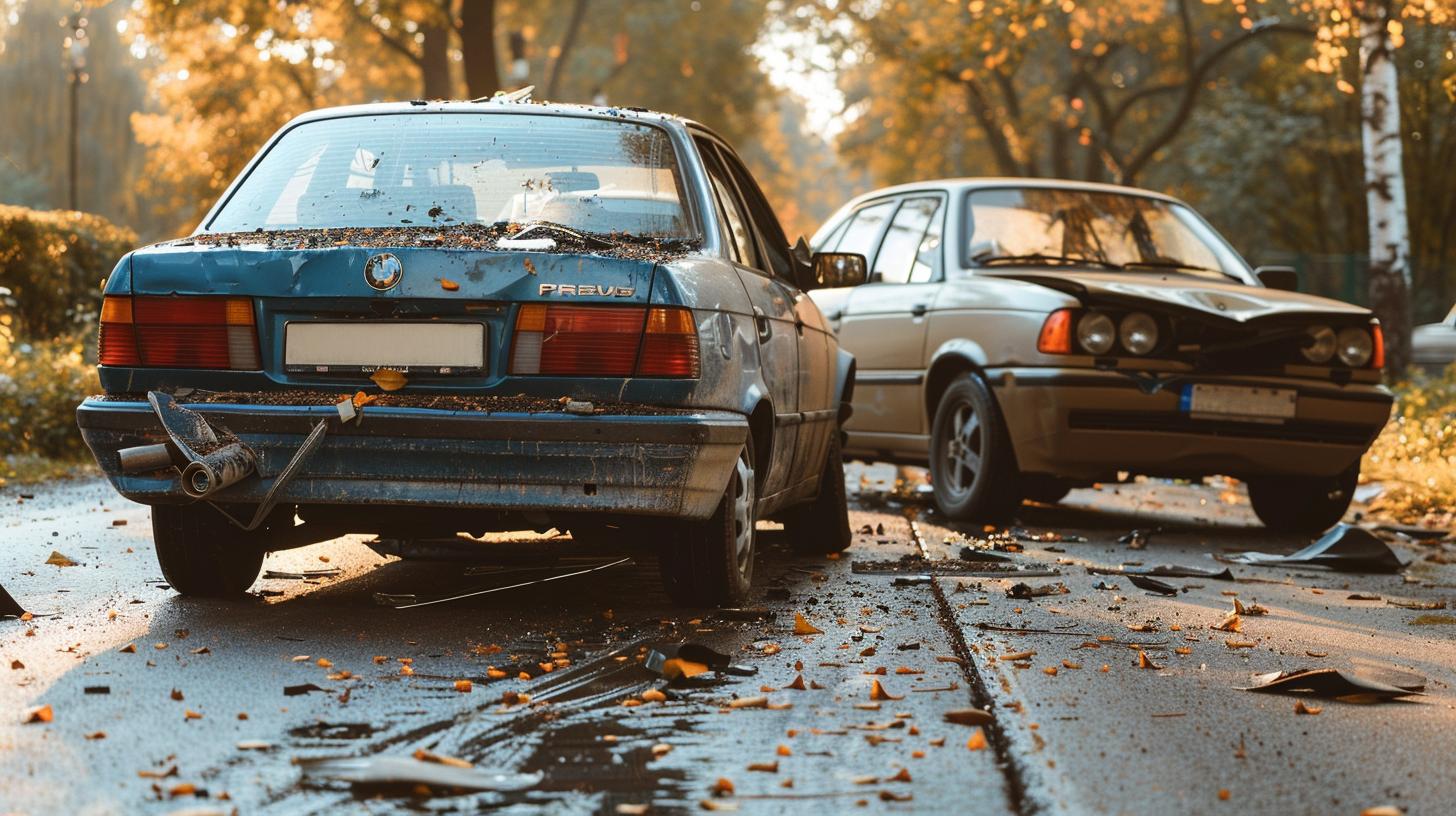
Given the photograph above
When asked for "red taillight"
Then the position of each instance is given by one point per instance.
(1377, 343)
(1056, 333)
(179, 332)
(604, 341)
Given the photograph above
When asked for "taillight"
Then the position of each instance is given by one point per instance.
(179, 332)
(1377, 353)
(604, 341)
(1056, 333)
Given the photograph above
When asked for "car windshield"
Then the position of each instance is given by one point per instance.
(1106, 230)
(441, 169)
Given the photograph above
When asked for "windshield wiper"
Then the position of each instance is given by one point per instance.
(989, 259)
(1172, 265)
(561, 229)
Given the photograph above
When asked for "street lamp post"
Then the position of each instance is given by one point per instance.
(74, 49)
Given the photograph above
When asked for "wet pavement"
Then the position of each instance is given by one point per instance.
(557, 685)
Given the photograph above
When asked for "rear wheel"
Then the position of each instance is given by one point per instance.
(203, 554)
(1044, 489)
(1303, 504)
(822, 526)
(972, 466)
(710, 563)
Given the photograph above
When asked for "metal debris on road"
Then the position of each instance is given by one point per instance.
(1138, 539)
(9, 607)
(1152, 585)
(302, 574)
(1165, 571)
(387, 771)
(1344, 549)
(1360, 685)
(411, 601)
(1023, 591)
(658, 659)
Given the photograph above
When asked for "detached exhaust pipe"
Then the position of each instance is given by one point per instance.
(208, 464)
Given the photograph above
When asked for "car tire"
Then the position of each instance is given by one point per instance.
(1303, 504)
(972, 465)
(203, 554)
(710, 563)
(1044, 489)
(821, 526)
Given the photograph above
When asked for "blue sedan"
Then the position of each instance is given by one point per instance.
(417, 320)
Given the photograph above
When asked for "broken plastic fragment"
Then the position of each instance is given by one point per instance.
(1350, 685)
(1343, 549)
(1152, 585)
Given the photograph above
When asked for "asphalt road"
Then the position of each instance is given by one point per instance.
(203, 692)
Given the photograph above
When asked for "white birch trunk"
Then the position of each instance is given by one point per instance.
(1390, 274)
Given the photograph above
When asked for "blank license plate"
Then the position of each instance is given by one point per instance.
(1238, 402)
(445, 348)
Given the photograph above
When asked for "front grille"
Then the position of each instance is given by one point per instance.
(1338, 433)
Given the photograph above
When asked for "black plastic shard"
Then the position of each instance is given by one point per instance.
(1152, 585)
(1166, 571)
(1343, 549)
(9, 606)
(1363, 685)
(387, 771)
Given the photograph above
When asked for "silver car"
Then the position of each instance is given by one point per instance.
(1026, 336)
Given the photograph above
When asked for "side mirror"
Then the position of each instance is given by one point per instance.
(1285, 278)
(836, 269)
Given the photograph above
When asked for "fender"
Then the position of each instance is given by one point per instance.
(844, 384)
(966, 349)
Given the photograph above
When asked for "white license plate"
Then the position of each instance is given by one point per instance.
(446, 348)
(1239, 402)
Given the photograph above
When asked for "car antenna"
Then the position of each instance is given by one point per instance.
(518, 95)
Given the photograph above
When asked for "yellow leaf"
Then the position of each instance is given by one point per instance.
(60, 560)
(877, 692)
(389, 379)
(803, 627)
(449, 285)
(677, 668)
(977, 742)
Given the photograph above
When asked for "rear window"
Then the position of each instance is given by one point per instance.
(442, 169)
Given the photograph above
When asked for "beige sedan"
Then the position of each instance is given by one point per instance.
(1026, 336)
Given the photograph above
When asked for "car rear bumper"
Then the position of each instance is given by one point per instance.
(1080, 423)
(673, 464)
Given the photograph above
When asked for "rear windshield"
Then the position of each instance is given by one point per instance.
(442, 169)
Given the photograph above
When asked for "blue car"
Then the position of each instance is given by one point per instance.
(423, 319)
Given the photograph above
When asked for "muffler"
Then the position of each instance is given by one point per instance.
(208, 464)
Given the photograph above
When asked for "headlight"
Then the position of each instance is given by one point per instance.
(1319, 345)
(1138, 333)
(1095, 333)
(1354, 347)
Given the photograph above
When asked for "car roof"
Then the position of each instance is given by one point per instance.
(966, 184)
(492, 106)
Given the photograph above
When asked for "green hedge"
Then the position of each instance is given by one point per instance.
(40, 386)
(53, 263)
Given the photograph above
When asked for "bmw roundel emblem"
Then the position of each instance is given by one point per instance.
(383, 271)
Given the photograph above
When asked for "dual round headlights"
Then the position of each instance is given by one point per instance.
(1353, 346)
(1138, 333)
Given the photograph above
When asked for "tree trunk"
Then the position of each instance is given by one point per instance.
(477, 47)
(435, 62)
(1390, 275)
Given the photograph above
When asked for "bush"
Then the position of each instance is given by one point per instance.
(53, 263)
(40, 386)
(1415, 456)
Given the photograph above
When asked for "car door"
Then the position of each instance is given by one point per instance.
(774, 319)
(818, 404)
(884, 321)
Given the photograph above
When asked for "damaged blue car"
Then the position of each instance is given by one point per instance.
(422, 320)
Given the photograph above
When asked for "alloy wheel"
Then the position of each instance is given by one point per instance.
(964, 448)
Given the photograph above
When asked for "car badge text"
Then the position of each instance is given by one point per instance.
(586, 290)
(383, 271)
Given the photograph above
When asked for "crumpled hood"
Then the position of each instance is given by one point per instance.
(1232, 300)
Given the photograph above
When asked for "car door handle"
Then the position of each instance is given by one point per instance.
(765, 327)
(919, 310)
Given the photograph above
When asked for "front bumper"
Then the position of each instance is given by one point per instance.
(673, 464)
(1089, 424)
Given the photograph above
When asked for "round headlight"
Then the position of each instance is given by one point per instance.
(1319, 344)
(1095, 333)
(1138, 333)
(1354, 347)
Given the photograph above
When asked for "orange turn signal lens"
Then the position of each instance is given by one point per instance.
(1377, 353)
(1056, 333)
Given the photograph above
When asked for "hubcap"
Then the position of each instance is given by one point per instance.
(743, 500)
(963, 449)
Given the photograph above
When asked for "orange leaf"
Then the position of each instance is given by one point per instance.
(877, 692)
(798, 684)
(766, 767)
(803, 627)
(449, 285)
(902, 776)
(39, 714)
(1301, 708)
(463, 686)
(389, 379)
(653, 696)
(977, 742)
(362, 399)
(676, 668)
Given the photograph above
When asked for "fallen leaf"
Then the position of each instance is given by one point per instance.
(1018, 655)
(632, 809)
(902, 776)
(201, 650)
(908, 670)
(464, 686)
(182, 789)
(653, 696)
(803, 627)
(189, 714)
(678, 668)
(877, 692)
(765, 767)
(510, 698)
(723, 787)
(39, 714)
(496, 674)
(60, 560)
(177, 695)
(129, 648)
(170, 770)
(440, 759)
(661, 749)
(977, 742)
(1301, 708)
(325, 663)
(1240, 644)
(749, 702)
(891, 796)
(1230, 623)
(388, 379)
(784, 750)
(1432, 620)
(16, 665)
(96, 735)
(712, 804)
(1145, 662)
(798, 684)
(449, 285)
